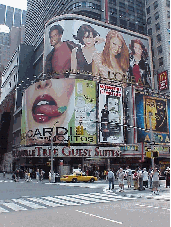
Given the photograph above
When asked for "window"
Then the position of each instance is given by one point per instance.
(154, 65)
(148, 10)
(121, 4)
(161, 61)
(131, 8)
(152, 53)
(168, 25)
(149, 20)
(168, 3)
(151, 41)
(156, 15)
(140, 19)
(158, 37)
(168, 14)
(122, 13)
(157, 27)
(83, 4)
(159, 49)
(150, 31)
(113, 2)
(131, 1)
(155, 4)
(113, 11)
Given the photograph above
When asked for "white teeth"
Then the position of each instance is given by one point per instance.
(42, 103)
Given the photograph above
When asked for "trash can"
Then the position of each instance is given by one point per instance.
(57, 177)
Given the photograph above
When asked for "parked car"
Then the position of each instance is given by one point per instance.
(78, 177)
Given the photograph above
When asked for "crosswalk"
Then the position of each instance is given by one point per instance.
(27, 203)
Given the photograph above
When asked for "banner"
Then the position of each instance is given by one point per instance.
(52, 111)
(110, 114)
(163, 81)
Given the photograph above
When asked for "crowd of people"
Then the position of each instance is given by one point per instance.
(139, 179)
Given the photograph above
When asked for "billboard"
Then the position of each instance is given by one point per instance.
(163, 81)
(78, 44)
(55, 108)
(110, 114)
(158, 109)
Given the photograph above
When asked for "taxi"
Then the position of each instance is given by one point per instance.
(78, 177)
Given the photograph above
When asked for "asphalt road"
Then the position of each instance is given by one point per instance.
(34, 204)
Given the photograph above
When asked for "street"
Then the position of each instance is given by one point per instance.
(86, 204)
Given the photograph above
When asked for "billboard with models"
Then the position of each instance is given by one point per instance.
(110, 114)
(66, 107)
(76, 43)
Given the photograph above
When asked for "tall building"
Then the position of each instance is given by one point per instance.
(129, 14)
(158, 27)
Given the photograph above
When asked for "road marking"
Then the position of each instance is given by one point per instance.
(14, 206)
(2, 210)
(97, 216)
(63, 202)
(29, 204)
(44, 202)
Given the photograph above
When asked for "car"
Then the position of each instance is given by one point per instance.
(78, 177)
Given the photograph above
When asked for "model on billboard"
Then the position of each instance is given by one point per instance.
(139, 69)
(59, 59)
(81, 58)
(48, 103)
(105, 123)
(114, 60)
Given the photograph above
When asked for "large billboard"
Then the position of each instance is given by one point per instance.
(163, 80)
(152, 118)
(78, 44)
(62, 108)
(110, 114)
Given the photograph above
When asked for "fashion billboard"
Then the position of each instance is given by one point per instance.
(152, 114)
(79, 44)
(62, 108)
(110, 114)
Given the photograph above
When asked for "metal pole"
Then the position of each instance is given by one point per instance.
(51, 147)
(151, 133)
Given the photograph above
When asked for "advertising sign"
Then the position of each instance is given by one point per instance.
(162, 81)
(83, 45)
(55, 108)
(110, 114)
(158, 109)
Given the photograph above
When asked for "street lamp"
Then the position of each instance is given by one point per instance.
(52, 173)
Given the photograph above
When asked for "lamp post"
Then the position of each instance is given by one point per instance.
(52, 173)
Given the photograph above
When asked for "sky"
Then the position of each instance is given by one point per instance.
(20, 4)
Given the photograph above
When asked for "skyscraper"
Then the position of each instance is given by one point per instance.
(129, 14)
(158, 27)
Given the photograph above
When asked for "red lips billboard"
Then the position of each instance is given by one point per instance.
(58, 107)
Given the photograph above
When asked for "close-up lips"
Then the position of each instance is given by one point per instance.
(45, 108)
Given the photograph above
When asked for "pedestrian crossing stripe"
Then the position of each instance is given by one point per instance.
(67, 200)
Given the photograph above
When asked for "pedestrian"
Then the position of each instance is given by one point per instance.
(155, 181)
(120, 174)
(167, 177)
(145, 178)
(111, 179)
(37, 175)
(135, 179)
(50, 175)
(150, 176)
(128, 176)
(4, 174)
(140, 179)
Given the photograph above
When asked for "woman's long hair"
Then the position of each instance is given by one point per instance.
(122, 58)
(144, 52)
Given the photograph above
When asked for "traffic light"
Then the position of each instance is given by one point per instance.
(155, 154)
(148, 154)
(80, 130)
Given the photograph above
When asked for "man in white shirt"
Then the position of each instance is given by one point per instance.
(145, 178)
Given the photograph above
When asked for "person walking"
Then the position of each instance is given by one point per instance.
(150, 176)
(128, 176)
(121, 179)
(50, 175)
(155, 181)
(111, 179)
(140, 178)
(37, 175)
(135, 179)
(145, 178)
(167, 177)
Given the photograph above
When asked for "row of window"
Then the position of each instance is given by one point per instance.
(150, 31)
(84, 5)
(156, 16)
(155, 5)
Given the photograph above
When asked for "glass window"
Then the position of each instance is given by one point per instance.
(168, 14)
(148, 10)
(150, 31)
(161, 61)
(122, 13)
(157, 27)
(131, 8)
(155, 4)
(149, 20)
(159, 49)
(83, 4)
(151, 41)
(113, 2)
(158, 37)
(168, 3)
(168, 25)
(156, 15)
(121, 4)
(131, 1)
